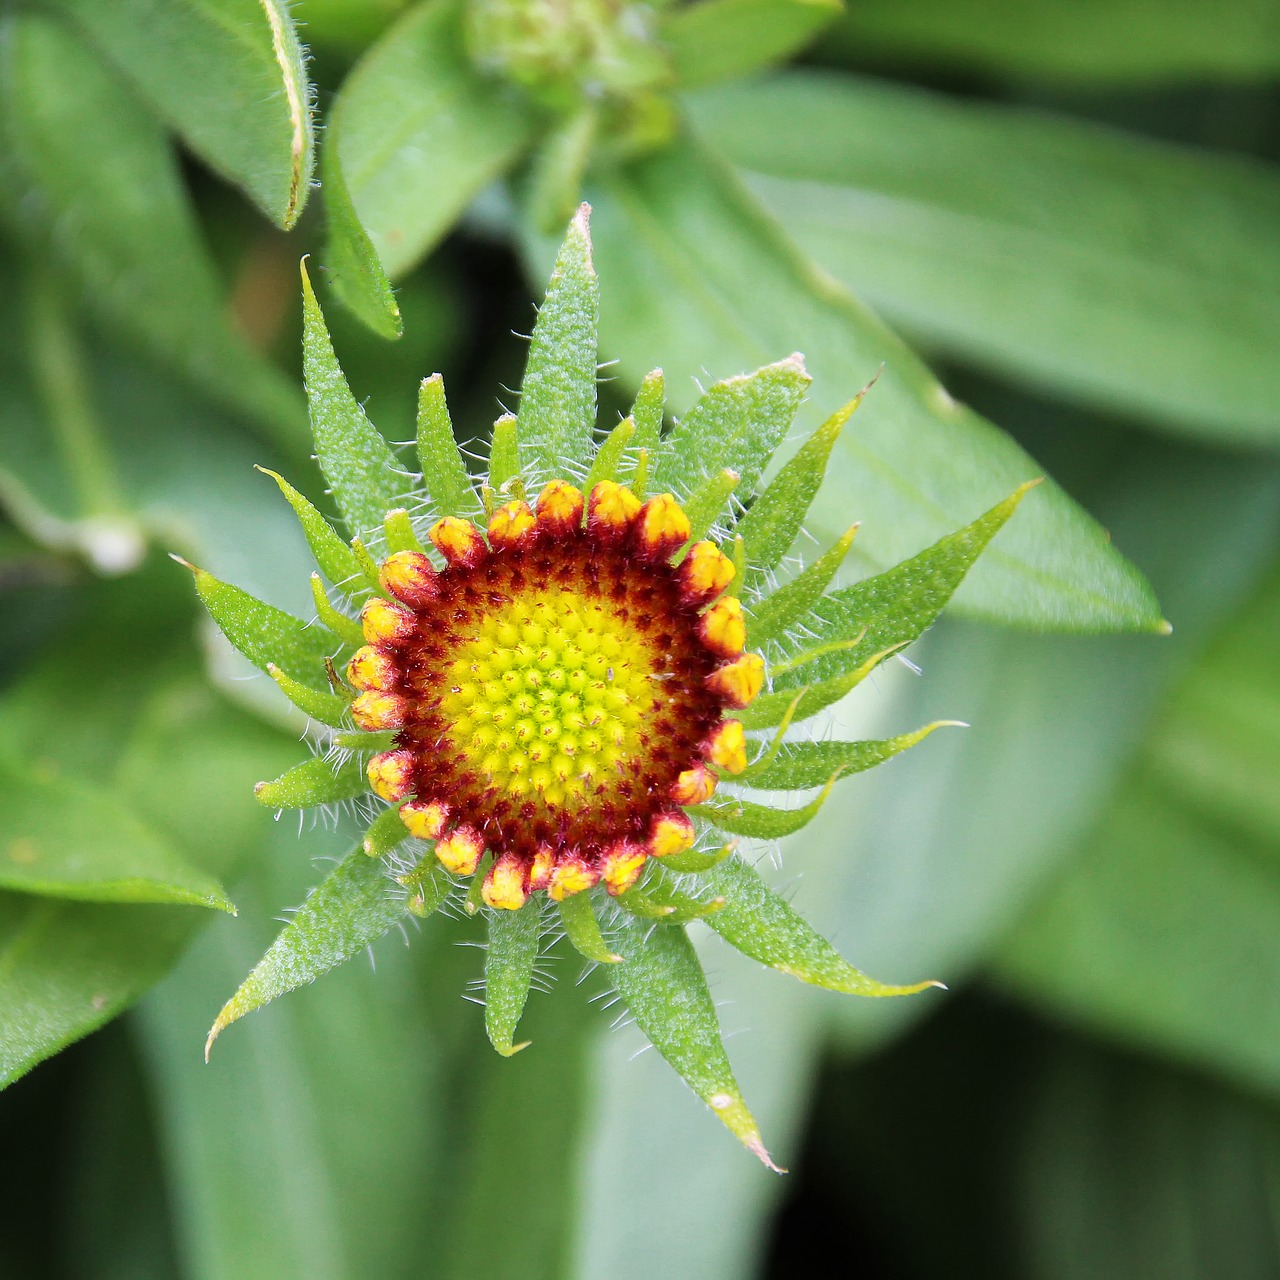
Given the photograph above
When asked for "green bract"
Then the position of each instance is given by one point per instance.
(622, 903)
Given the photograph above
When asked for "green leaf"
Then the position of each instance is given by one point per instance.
(799, 765)
(762, 821)
(883, 613)
(265, 634)
(662, 984)
(736, 425)
(320, 780)
(68, 839)
(782, 706)
(1094, 42)
(420, 132)
(770, 617)
(767, 928)
(509, 963)
(698, 276)
(1098, 288)
(336, 560)
(716, 40)
(558, 396)
(352, 907)
(366, 479)
(443, 472)
(775, 519)
(355, 272)
(82, 157)
(581, 927)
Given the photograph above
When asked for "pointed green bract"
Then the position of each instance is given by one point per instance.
(894, 607)
(744, 818)
(736, 425)
(558, 398)
(769, 618)
(350, 909)
(772, 709)
(508, 971)
(385, 832)
(770, 528)
(663, 901)
(800, 765)
(767, 928)
(324, 708)
(319, 780)
(697, 860)
(504, 453)
(648, 410)
(265, 634)
(366, 479)
(443, 472)
(428, 885)
(583, 929)
(400, 532)
(334, 557)
(663, 986)
(355, 270)
(608, 459)
(344, 628)
(706, 504)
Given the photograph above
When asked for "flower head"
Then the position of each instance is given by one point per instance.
(563, 687)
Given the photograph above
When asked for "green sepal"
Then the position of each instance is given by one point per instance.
(355, 271)
(735, 425)
(474, 899)
(744, 818)
(763, 925)
(504, 453)
(366, 478)
(557, 413)
(429, 884)
(773, 709)
(769, 618)
(384, 833)
(443, 471)
(319, 780)
(894, 607)
(324, 708)
(344, 628)
(798, 766)
(349, 909)
(327, 549)
(368, 565)
(581, 927)
(663, 986)
(265, 634)
(360, 740)
(647, 412)
(770, 528)
(706, 503)
(659, 899)
(697, 860)
(508, 971)
(607, 463)
(400, 532)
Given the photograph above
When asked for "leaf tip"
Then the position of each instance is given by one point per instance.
(755, 1144)
(185, 563)
(510, 1051)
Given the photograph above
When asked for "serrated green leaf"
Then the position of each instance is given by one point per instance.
(716, 40)
(443, 472)
(353, 906)
(677, 237)
(769, 618)
(365, 476)
(558, 395)
(88, 177)
(514, 937)
(504, 453)
(761, 821)
(420, 133)
(320, 780)
(893, 608)
(355, 271)
(735, 425)
(68, 839)
(799, 765)
(662, 984)
(335, 558)
(581, 927)
(324, 708)
(229, 76)
(1148, 324)
(771, 526)
(265, 634)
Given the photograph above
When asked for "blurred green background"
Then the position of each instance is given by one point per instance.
(1071, 211)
